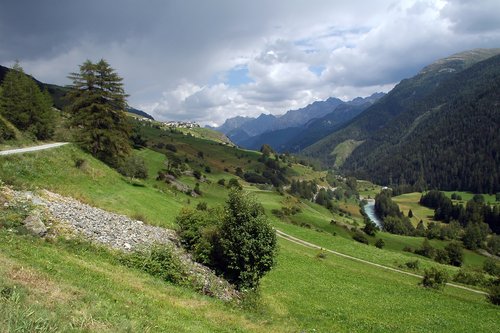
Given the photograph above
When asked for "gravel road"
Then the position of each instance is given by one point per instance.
(35, 148)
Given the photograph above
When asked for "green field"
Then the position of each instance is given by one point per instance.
(411, 201)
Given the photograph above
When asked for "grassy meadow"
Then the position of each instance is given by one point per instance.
(60, 285)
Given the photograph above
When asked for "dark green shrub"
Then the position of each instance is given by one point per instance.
(160, 261)
(415, 265)
(471, 278)
(441, 256)
(221, 182)
(171, 147)
(202, 206)
(455, 254)
(246, 259)
(492, 267)
(197, 174)
(133, 167)
(360, 237)
(494, 293)
(434, 278)
(197, 189)
(380, 243)
(80, 163)
(426, 250)
(234, 183)
(408, 249)
(370, 228)
(220, 239)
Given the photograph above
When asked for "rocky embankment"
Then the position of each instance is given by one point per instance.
(52, 214)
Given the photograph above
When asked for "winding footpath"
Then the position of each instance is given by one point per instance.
(35, 148)
(301, 242)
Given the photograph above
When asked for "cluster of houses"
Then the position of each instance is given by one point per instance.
(180, 124)
(172, 123)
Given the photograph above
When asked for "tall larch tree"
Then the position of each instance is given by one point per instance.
(97, 104)
(25, 105)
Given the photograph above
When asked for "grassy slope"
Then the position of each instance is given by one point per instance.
(302, 292)
(74, 286)
(94, 183)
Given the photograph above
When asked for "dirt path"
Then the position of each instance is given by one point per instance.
(35, 148)
(314, 246)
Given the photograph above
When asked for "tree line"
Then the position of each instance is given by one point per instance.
(476, 224)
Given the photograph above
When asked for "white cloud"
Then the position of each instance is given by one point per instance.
(174, 55)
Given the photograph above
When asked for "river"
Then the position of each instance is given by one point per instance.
(369, 209)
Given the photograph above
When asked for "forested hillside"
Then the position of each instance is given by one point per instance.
(437, 130)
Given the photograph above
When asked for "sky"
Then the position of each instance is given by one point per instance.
(209, 60)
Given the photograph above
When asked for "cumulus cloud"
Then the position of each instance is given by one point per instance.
(210, 60)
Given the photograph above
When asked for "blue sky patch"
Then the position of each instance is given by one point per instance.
(237, 76)
(317, 69)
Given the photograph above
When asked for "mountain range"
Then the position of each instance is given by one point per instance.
(296, 128)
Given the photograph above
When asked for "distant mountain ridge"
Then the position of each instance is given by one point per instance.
(294, 139)
(252, 132)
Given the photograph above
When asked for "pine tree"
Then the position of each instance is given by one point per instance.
(97, 104)
(25, 106)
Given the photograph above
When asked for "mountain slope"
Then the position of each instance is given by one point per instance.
(399, 100)
(438, 128)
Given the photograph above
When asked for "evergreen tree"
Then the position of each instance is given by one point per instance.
(247, 241)
(97, 104)
(25, 106)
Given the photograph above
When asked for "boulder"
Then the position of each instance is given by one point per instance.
(35, 224)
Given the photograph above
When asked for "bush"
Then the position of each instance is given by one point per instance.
(434, 278)
(80, 163)
(246, 259)
(493, 245)
(415, 265)
(408, 249)
(159, 261)
(380, 243)
(470, 277)
(370, 228)
(494, 293)
(221, 182)
(441, 256)
(197, 174)
(234, 183)
(426, 250)
(171, 147)
(220, 239)
(455, 254)
(491, 267)
(197, 189)
(133, 167)
(360, 237)
(202, 206)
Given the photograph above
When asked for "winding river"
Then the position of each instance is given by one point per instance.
(369, 209)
